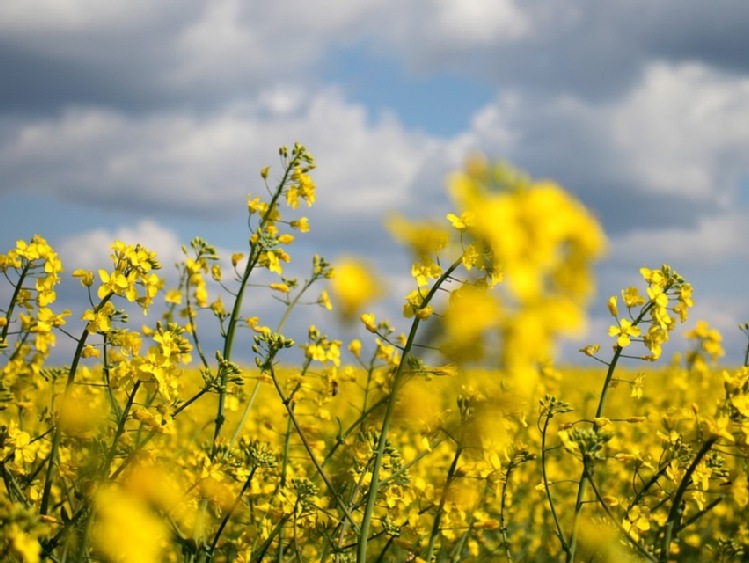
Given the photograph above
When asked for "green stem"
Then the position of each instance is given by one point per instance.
(443, 499)
(361, 554)
(308, 447)
(269, 540)
(502, 513)
(255, 251)
(120, 429)
(44, 506)
(547, 488)
(673, 520)
(229, 514)
(13, 300)
(615, 521)
(583, 482)
(231, 329)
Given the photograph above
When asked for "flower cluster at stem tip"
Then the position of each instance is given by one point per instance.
(528, 238)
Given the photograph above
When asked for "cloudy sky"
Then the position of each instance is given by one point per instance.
(148, 122)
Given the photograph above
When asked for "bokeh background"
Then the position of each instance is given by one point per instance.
(149, 121)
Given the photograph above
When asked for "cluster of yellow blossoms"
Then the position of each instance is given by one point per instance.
(35, 262)
(664, 285)
(530, 234)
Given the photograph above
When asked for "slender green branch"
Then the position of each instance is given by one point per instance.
(361, 555)
(190, 401)
(229, 513)
(255, 252)
(311, 454)
(14, 300)
(260, 554)
(673, 520)
(443, 498)
(47, 491)
(547, 487)
(346, 433)
(640, 548)
(652, 481)
(120, 429)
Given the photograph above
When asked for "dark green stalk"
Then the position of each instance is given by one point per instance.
(673, 520)
(13, 300)
(260, 554)
(308, 447)
(502, 510)
(547, 488)
(443, 498)
(120, 429)
(643, 551)
(228, 515)
(44, 506)
(361, 555)
(237, 310)
(582, 485)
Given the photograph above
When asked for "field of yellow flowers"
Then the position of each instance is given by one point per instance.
(452, 437)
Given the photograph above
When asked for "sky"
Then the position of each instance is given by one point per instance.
(149, 122)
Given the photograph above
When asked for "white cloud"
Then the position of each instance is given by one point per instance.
(679, 132)
(56, 16)
(91, 250)
(682, 130)
(475, 22)
(180, 161)
(232, 44)
(715, 240)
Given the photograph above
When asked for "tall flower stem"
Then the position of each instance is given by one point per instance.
(584, 477)
(361, 554)
(49, 476)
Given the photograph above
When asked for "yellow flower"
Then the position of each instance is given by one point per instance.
(86, 277)
(425, 238)
(174, 296)
(324, 300)
(424, 270)
(90, 352)
(126, 529)
(623, 332)
(355, 347)
(218, 307)
(256, 205)
(302, 224)
(632, 298)
(99, 321)
(466, 220)
(471, 311)
(612, 306)
(368, 319)
(353, 286)
(280, 287)
(590, 349)
(717, 428)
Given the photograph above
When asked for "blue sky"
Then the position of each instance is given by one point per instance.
(148, 121)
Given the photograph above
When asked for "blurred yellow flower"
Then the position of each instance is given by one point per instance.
(353, 286)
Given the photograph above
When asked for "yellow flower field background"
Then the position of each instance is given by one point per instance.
(453, 436)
